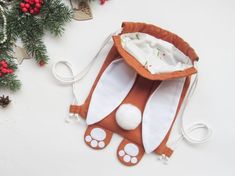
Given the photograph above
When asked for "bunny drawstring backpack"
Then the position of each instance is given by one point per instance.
(143, 86)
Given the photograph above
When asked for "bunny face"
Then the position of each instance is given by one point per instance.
(133, 100)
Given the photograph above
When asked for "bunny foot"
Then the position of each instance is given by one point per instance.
(129, 153)
(97, 137)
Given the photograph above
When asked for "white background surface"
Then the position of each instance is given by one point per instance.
(35, 141)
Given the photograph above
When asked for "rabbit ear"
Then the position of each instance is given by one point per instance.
(159, 112)
(113, 86)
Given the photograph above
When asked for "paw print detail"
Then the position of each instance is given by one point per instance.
(96, 138)
(129, 153)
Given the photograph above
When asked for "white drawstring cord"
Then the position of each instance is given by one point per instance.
(185, 133)
(75, 78)
(63, 79)
(79, 76)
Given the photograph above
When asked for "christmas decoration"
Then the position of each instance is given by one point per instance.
(7, 69)
(8, 66)
(4, 101)
(20, 54)
(29, 20)
(81, 9)
(31, 6)
(4, 68)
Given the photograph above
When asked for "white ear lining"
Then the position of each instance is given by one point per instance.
(113, 86)
(159, 112)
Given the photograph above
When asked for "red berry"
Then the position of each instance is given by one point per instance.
(26, 1)
(22, 4)
(36, 1)
(24, 9)
(27, 5)
(4, 70)
(3, 62)
(0, 74)
(36, 10)
(10, 71)
(102, 2)
(42, 63)
(38, 5)
(5, 65)
(31, 11)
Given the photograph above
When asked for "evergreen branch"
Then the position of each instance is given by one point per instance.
(10, 82)
(31, 28)
(55, 15)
